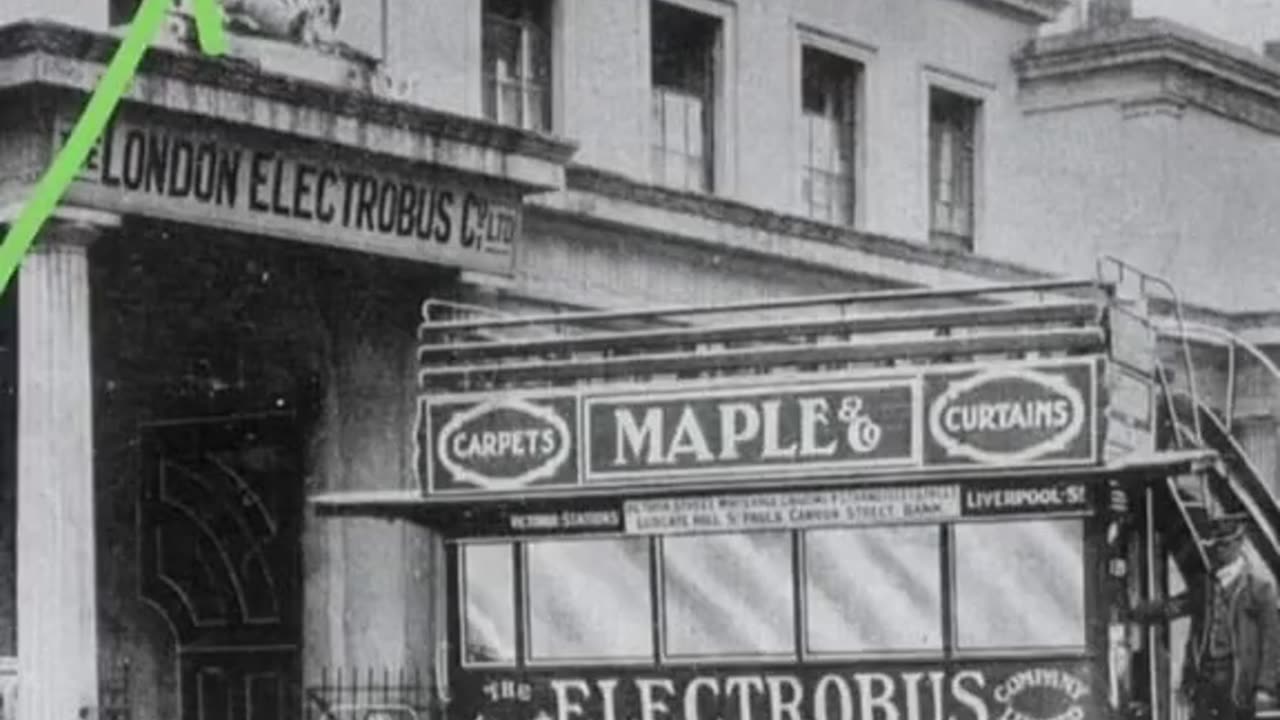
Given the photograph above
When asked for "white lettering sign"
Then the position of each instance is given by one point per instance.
(215, 178)
(821, 508)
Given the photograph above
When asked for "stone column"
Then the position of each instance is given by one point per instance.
(57, 608)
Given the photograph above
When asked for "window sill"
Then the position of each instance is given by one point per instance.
(951, 242)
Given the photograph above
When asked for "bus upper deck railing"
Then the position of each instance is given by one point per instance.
(799, 334)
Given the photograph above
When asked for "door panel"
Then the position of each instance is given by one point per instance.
(220, 515)
(239, 684)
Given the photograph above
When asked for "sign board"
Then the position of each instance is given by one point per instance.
(1009, 415)
(1027, 689)
(505, 442)
(802, 508)
(210, 176)
(687, 433)
(773, 511)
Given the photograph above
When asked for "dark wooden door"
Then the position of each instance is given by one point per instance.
(220, 517)
(239, 683)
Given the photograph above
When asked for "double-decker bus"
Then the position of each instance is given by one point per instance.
(907, 505)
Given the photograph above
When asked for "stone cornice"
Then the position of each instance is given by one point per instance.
(736, 227)
(45, 54)
(1038, 10)
(1191, 67)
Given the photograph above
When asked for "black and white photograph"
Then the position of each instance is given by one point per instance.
(639, 359)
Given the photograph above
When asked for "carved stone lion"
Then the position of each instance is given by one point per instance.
(308, 22)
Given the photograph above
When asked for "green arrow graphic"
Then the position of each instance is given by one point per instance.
(93, 121)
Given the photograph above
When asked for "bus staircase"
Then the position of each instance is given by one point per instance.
(1199, 371)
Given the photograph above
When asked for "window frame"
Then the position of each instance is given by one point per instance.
(718, 144)
(666, 659)
(980, 94)
(1088, 586)
(801, 656)
(526, 656)
(944, 650)
(862, 55)
(513, 549)
(526, 83)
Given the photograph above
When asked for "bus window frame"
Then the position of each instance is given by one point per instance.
(527, 658)
(1090, 585)
(463, 616)
(665, 659)
(949, 652)
(941, 653)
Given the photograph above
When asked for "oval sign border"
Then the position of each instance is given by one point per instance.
(543, 471)
(1056, 443)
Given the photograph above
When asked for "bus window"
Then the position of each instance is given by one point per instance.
(873, 590)
(1019, 585)
(729, 595)
(489, 605)
(589, 600)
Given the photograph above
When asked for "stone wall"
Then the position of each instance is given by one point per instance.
(189, 325)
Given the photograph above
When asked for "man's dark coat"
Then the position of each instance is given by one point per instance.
(1254, 610)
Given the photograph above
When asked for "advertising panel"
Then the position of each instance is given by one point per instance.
(803, 508)
(660, 435)
(1021, 690)
(1011, 416)
(1042, 413)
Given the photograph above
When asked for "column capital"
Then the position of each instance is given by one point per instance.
(73, 227)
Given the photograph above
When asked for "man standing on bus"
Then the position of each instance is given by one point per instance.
(1232, 663)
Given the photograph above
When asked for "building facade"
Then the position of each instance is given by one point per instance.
(221, 319)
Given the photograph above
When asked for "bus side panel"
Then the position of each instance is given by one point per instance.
(1008, 690)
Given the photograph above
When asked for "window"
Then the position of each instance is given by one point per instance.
(684, 46)
(517, 63)
(589, 599)
(729, 595)
(827, 142)
(873, 590)
(1019, 585)
(959, 589)
(489, 611)
(952, 139)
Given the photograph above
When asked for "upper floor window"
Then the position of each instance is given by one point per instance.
(953, 121)
(685, 50)
(517, 63)
(828, 135)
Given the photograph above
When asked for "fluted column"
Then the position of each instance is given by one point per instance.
(57, 608)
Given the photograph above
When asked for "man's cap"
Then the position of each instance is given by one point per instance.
(1225, 528)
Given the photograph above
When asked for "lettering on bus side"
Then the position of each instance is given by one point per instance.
(1012, 415)
(1026, 691)
(502, 443)
(846, 425)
